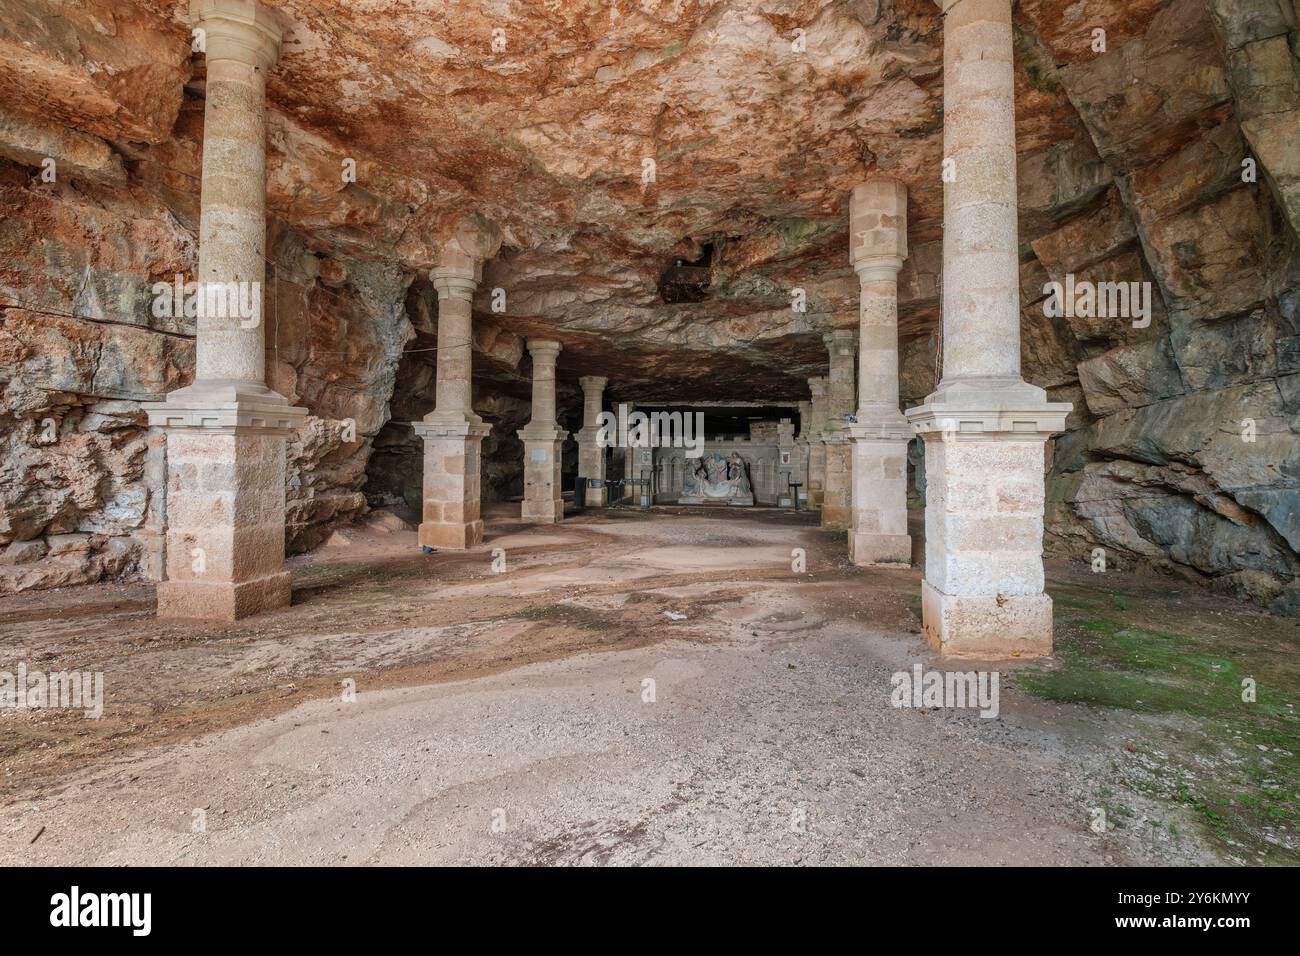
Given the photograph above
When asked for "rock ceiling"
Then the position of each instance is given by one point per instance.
(759, 118)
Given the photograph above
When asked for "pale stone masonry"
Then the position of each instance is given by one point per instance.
(984, 427)
(226, 432)
(800, 470)
(787, 463)
(453, 435)
(877, 248)
(837, 484)
(816, 448)
(543, 440)
(591, 456)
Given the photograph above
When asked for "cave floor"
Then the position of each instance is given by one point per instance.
(505, 717)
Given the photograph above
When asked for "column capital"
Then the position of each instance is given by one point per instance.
(592, 383)
(877, 221)
(241, 30)
(817, 385)
(544, 350)
(456, 274)
(453, 285)
(840, 339)
(878, 269)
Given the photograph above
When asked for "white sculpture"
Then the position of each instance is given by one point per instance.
(717, 480)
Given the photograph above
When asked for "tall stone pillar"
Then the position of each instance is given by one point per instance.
(837, 512)
(226, 431)
(453, 435)
(787, 466)
(799, 464)
(543, 440)
(816, 449)
(984, 427)
(877, 248)
(591, 456)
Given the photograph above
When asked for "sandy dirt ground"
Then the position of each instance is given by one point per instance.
(629, 689)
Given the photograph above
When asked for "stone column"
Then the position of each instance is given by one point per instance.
(787, 463)
(453, 435)
(591, 455)
(877, 248)
(226, 431)
(816, 450)
(153, 536)
(638, 462)
(800, 469)
(984, 427)
(837, 512)
(543, 440)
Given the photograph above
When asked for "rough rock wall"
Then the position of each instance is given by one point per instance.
(1185, 451)
(81, 349)
(1182, 452)
(336, 334)
(77, 358)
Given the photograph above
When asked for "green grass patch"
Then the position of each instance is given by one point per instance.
(1234, 763)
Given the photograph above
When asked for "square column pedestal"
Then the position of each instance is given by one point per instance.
(591, 464)
(984, 468)
(543, 503)
(225, 508)
(878, 536)
(837, 514)
(451, 518)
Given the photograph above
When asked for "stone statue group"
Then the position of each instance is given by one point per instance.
(718, 480)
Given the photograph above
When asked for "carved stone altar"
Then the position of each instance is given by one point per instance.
(715, 480)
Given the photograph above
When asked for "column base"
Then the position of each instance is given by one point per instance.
(542, 512)
(542, 501)
(836, 515)
(880, 550)
(986, 627)
(223, 600)
(451, 536)
(879, 535)
(225, 501)
(837, 495)
(451, 506)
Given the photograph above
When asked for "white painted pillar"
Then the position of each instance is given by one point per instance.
(877, 248)
(543, 440)
(453, 435)
(226, 431)
(591, 456)
(984, 427)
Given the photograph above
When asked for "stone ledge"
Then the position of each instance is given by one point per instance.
(900, 430)
(242, 417)
(451, 429)
(970, 422)
(542, 433)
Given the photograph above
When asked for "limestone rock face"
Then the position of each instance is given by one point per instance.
(76, 364)
(604, 143)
